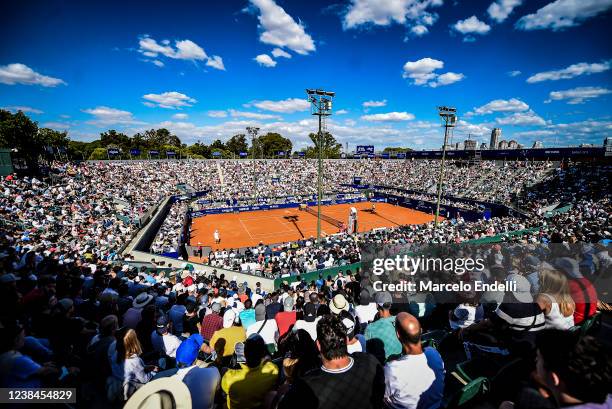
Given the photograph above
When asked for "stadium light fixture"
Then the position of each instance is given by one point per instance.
(253, 130)
(448, 115)
(321, 105)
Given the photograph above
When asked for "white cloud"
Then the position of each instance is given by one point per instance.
(252, 115)
(286, 106)
(182, 50)
(514, 73)
(561, 14)
(501, 9)
(280, 29)
(104, 116)
(169, 100)
(501, 105)
(56, 125)
(265, 60)
(24, 109)
(572, 71)
(374, 104)
(521, 118)
(277, 53)
(217, 114)
(527, 134)
(419, 30)
(384, 13)
(472, 25)
(578, 95)
(216, 62)
(180, 116)
(474, 129)
(12, 74)
(446, 79)
(388, 117)
(422, 73)
(341, 112)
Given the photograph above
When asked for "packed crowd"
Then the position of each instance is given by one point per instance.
(119, 334)
(168, 236)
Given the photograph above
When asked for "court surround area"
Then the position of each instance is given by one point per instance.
(247, 229)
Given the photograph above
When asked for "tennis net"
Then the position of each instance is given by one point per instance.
(325, 217)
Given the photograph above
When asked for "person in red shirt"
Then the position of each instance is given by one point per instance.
(286, 318)
(211, 322)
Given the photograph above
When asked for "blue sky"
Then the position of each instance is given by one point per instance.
(540, 70)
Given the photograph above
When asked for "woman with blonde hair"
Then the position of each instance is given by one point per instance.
(128, 370)
(555, 300)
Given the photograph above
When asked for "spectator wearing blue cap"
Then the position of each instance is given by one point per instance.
(203, 382)
(162, 339)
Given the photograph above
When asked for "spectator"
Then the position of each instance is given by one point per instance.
(555, 300)
(211, 322)
(336, 384)
(286, 319)
(381, 340)
(416, 378)
(265, 327)
(164, 342)
(132, 316)
(247, 386)
(224, 340)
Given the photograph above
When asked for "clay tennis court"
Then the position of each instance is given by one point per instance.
(276, 226)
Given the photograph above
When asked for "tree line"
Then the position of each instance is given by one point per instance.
(30, 142)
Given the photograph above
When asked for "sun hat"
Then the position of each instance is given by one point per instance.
(141, 300)
(338, 304)
(228, 318)
(163, 393)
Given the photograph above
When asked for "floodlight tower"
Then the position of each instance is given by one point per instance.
(253, 130)
(448, 116)
(321, 106)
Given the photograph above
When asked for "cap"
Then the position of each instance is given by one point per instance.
(383, 298)
(288, 303)
(310, 312)
(9, 278)
(228, 318)
(187, 352)
(216, 307)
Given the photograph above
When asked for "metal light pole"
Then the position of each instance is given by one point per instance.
(449, 118)
(253, 130)
(321, 105)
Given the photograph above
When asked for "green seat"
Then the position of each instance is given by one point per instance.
(589, 323)
(470, 392)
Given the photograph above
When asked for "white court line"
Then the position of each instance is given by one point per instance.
(247, 230)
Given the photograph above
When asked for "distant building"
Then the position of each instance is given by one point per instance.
(512, 144)
(537, 145)
(608, 146)
(585, 145)
(503, 144)
(470, 144)
(495, 136)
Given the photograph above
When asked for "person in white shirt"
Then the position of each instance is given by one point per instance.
(366, 310)
(266, 328)
(416, 379)
(162, 340)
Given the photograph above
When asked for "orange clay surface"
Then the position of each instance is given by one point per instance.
(272, 226)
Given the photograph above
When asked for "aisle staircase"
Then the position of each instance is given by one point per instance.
(220, 174)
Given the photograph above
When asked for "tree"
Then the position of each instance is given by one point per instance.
(98, 154)
(19, 132)
(51, 137)
(199, 149)
(330, 147)
(174, 140)
(115, 138)
(270, 144)
(398, 149)
(237, 144)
